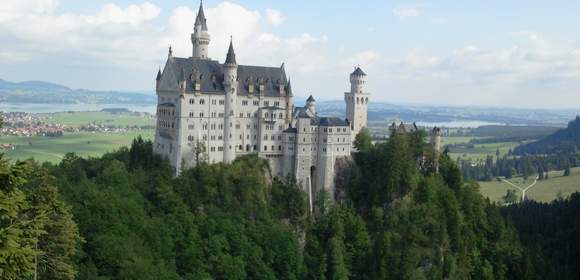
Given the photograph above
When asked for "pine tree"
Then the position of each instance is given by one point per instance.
(363, 141)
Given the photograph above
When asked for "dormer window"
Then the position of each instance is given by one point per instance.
(251, 88)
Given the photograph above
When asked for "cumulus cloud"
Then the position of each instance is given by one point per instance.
(518, 75)
(274, 17)
(407, 11)
(133, 38)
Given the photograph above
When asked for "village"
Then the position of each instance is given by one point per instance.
(21, 124)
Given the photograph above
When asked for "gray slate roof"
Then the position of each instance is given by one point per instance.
(358, 72)
(231, 56)
(310, 99)
(331, 121)
(200, 19)
(210, 75)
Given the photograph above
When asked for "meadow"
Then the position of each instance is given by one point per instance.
(97, 117)
(85, 144)
(544, 190)
(478, 151)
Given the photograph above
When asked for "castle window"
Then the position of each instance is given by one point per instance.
(255, 147)
(213, 102)
(244, 102)
(212, 149)
(190, 127)
(324, 140)
(279, 148)
(221, 115)
(241, 115)
(222, 102)
(265, 148)
(191, 101)
(266, 103)
(201, 114)
(265, 137)
(280, 116)
(330, 130)
(272, 138)
(190, 138)
(273, 148)
(213, 114)
(191, 114)
(277, 103)
(304, 140)
(202, 101)
(220, 148)
(266, 115)
(324, 150)
(247, 126)
(249, 115)
(247, 148)
(325, 129)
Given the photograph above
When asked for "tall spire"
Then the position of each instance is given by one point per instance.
(200, 19)
(231, 56)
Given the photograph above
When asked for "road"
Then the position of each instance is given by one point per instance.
(523, 190)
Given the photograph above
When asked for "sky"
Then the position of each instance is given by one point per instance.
(494, 53)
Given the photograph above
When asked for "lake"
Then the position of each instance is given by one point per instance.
(53, 108)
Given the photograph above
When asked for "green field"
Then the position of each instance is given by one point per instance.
(479, 151)
(105, 118)
(83, 143)
(545, 190)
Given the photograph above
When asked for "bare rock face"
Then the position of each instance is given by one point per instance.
(342, 176)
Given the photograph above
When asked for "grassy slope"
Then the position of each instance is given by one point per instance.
(546, 190)
(84, 144)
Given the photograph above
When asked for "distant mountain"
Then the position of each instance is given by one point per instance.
(562, 141)
(41, 92)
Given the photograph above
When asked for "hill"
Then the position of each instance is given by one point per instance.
(564, 141)
(39, 92)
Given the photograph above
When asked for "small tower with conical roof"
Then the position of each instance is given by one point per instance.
(230, 87)
(200, 37)
(357, 101)
(311, 105)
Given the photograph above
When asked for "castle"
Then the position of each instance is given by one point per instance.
(215, 112)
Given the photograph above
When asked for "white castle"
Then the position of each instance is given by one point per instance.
(232, 110)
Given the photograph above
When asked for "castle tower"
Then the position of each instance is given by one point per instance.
(200, 37)
(357, 101)
(435, 139)
(230, 86)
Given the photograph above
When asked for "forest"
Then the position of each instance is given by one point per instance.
(403, 212)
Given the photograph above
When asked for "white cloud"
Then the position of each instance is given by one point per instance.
(274, 17)
(403, 12)
(132, 38)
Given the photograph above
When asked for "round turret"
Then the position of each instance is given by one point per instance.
(357, 80)
(200, 37)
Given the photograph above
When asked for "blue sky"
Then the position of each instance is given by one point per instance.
(479, 53)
